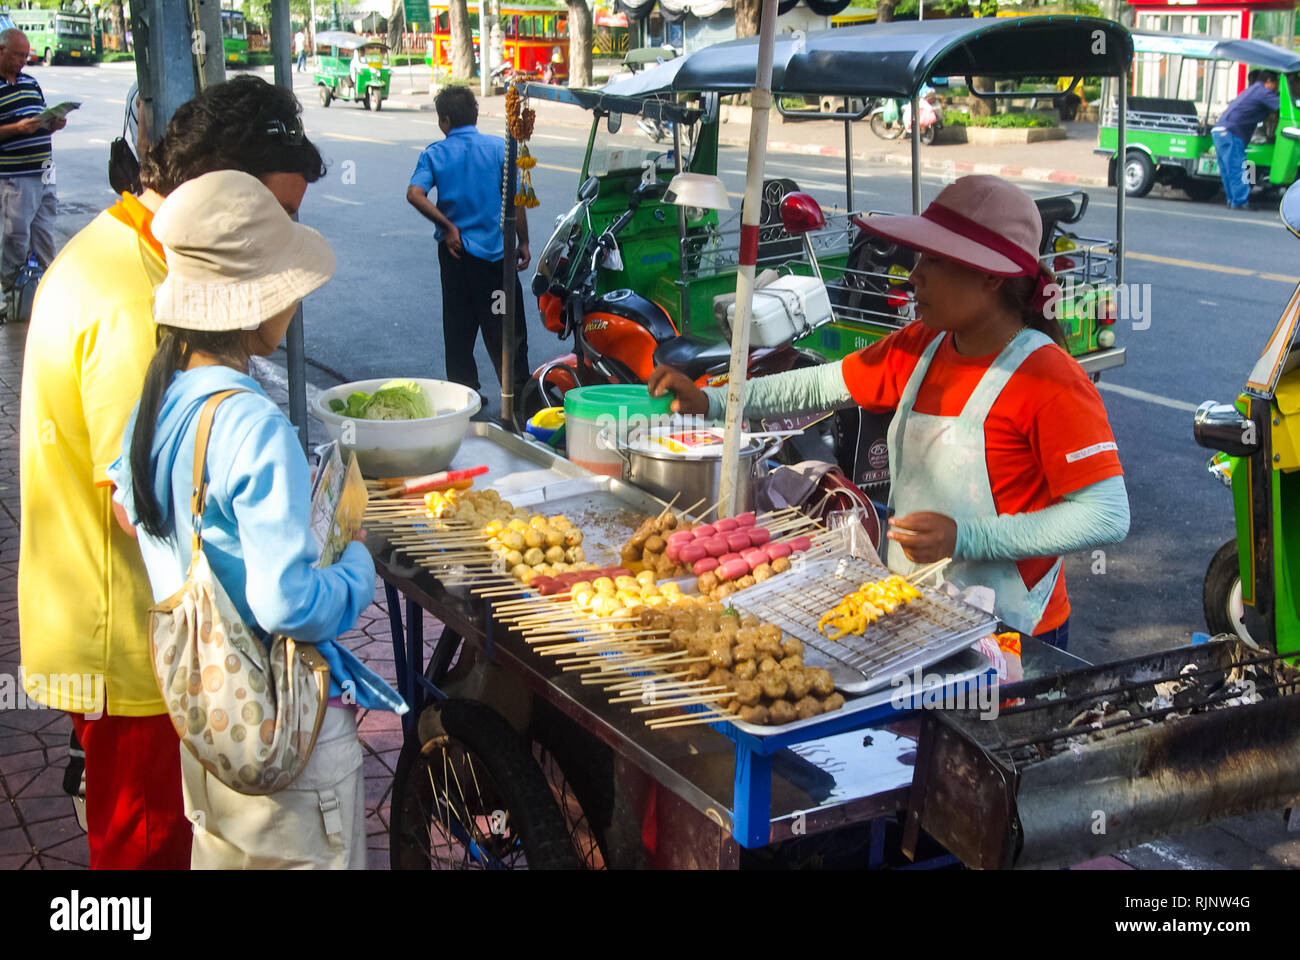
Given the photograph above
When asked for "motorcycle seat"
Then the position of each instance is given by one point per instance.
(691, 355)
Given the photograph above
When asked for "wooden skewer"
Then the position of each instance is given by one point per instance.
(701, 688)
(680, 702)
(657, 679)
(689, 511)
(664, 511)
(662, 723)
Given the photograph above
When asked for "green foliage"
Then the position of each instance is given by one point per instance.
(113, 56)
(959, 118)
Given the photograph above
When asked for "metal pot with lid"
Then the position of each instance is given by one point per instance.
(684, 460)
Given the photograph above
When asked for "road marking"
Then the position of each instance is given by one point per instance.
(351, 203)
(1208, 303)
(1155, 398)
(348, 136)
(96, 140)
(1194, 264)
(1212, 267)
(1131, 208)
(551, 166)
(121, 103)
(551, 136)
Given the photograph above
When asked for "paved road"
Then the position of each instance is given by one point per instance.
(1217, 283)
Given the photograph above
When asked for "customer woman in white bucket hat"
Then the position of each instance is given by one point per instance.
(1000, 452)
(237, 268)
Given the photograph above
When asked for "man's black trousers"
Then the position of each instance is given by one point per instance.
(469, 287)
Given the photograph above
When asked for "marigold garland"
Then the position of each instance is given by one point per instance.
(520, 119)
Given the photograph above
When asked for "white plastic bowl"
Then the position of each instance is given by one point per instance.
(401, 448)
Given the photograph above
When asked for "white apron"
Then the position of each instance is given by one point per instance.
(938, 464)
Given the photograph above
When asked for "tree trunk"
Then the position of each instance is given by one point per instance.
(747, 14)
(885, 11)
(978, 106)
(462, 41)
(579, 43)
(396, 26)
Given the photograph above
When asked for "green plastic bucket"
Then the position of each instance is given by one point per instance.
(622, 406)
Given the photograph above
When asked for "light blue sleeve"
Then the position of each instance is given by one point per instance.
(1088, 517)
(810, 390)
(269, 486)
(423, 176)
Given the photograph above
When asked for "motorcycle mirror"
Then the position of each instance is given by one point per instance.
(1289, 211)
(540, 284)
(589, 190)
(1221, 426)
(698, 190)
(614, 122)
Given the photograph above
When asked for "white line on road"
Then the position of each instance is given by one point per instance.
(551, 136)
(96, 140)
(351, 203)
(1155, 398)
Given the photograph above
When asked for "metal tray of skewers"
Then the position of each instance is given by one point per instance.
(916, 635)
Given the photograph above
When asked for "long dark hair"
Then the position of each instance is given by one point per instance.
(1018, 295)
(175, 348)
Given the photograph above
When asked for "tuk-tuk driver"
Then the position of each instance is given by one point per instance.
(1000, 452)
(1232, 133)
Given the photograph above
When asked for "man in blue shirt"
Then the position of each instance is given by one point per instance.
(28, 202)
(1236, 126)
(466, 169)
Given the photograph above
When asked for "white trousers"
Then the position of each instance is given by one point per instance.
(317, 823)
(28, 208)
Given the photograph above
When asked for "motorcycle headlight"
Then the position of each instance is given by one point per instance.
(1221, 426)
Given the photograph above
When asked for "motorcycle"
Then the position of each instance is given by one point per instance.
(1249, 587)
(889, 121)
(620, 336)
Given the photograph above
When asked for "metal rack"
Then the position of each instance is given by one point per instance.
(918, 634)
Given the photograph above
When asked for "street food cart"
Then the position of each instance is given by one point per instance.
(594, 699)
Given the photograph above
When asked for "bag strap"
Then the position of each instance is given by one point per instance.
(199, 491)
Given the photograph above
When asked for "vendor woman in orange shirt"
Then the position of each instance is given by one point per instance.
(1000, 451)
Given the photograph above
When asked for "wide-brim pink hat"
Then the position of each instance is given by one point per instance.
(981, 222)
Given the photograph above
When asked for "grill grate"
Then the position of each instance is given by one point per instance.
(916, 635)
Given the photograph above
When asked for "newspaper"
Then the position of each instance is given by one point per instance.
(338, 504)
(58, 111)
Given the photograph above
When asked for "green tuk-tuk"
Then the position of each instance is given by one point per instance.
(349, 67)
(1168, 137)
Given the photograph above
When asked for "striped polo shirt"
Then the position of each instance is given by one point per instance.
(22, 155)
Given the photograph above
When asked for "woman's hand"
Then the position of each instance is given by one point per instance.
(924, 536)
(690, 398)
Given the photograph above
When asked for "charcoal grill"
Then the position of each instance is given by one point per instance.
(1101, 759)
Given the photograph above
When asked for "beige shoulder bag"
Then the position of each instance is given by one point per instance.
(249, 716)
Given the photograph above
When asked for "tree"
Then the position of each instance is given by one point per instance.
(396, 25)
(747, 13)
(885, 10)
(462, 41)
(580, 40)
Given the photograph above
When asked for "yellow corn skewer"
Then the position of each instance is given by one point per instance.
(867, 604)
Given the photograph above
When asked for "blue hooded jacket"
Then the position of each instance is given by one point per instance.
(255, 524)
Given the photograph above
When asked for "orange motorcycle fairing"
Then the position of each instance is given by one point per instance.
(622, 338)
(551, 308)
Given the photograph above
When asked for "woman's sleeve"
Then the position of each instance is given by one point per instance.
(269, 488)
(1085, 518)
(810, 390)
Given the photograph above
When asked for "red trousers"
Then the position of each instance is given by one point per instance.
(135, 811)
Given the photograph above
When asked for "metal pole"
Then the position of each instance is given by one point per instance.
(294, 346)
(1121, 148)
(760, 107)
(164, 61)
(214, 54)
(682, 286)
(848, 160)
(484, 52)
(916, 153)
(311, 32)
(508, 279)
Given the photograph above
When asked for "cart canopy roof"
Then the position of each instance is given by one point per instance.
(1255, 53)
(896, 59)
(346, 41)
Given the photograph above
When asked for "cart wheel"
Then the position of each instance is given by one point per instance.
(1201, 191)
(927, 134)
(1139, 174)
(472, 798)
(379, 104)
(580, 771)
(368, 98)
(326, 95)
(1221, 594)
(587, 839)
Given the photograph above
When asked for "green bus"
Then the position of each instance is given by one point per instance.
(56, 36)
(234, 38)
